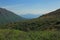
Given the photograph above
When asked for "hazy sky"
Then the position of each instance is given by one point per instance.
(30, 6)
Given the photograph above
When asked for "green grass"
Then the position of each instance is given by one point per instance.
(8, 34)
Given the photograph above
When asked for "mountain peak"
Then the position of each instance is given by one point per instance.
(2, 9)
(56, 12)
(7, 16)
(58, 9)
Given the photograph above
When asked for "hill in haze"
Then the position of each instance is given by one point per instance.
(7, 16)
(30, 16)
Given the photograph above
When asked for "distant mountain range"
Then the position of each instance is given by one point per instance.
(30, 16)
(7, 16)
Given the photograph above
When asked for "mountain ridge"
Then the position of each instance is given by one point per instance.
(8, 16)
(50, 21)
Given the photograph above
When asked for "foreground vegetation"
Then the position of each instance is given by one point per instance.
(8, 34)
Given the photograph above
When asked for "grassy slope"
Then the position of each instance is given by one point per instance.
(6, 34)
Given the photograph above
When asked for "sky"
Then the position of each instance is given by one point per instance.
(22, 7)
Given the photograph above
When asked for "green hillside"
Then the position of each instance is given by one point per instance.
(48, 21)
(45, 27)
(7, 16)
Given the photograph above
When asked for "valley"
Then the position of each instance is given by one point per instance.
(45, 27)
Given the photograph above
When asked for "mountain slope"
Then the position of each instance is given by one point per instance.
(8, 16)
(50, 21)
(46, 27)
(55, 13)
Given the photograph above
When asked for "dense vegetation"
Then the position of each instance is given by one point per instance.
(6, 34)
(45, 27)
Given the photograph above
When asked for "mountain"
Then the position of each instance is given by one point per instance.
(54, 13)
(30, 16)
(49, 21)
(45, 27)
(7, 16)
